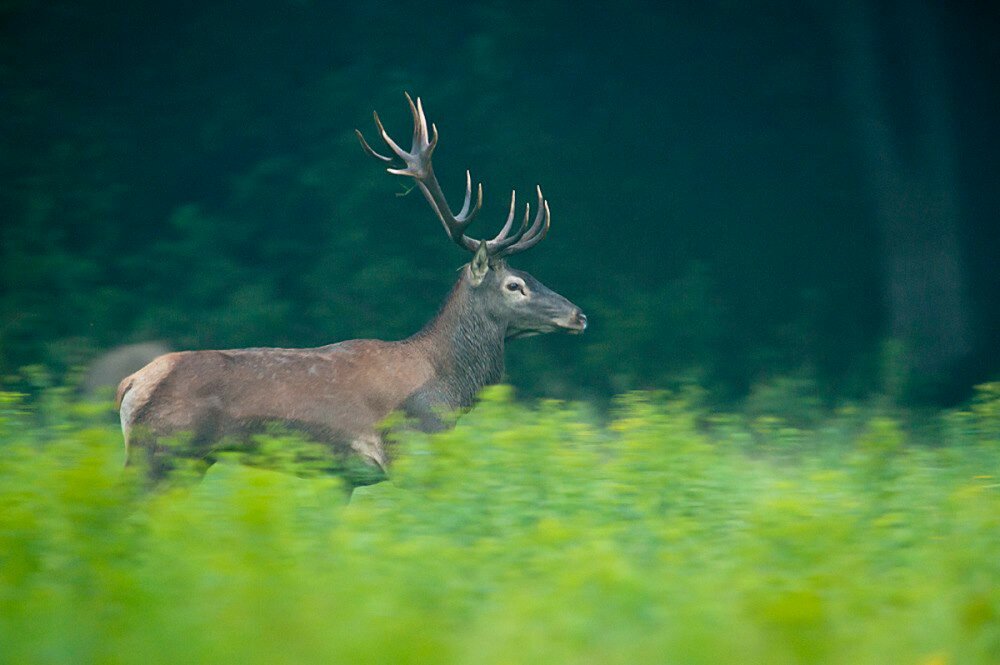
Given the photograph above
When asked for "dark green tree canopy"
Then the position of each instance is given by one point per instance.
(721, 206)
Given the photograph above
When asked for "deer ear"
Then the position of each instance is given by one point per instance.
(480, 264)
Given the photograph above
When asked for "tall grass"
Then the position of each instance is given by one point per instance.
(527, 534)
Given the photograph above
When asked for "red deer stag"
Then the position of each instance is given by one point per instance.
(338, 394)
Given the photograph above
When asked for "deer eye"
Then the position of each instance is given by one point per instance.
(513, 286)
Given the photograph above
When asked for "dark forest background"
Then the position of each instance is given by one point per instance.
(744, 194)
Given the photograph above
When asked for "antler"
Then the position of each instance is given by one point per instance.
(418, 166)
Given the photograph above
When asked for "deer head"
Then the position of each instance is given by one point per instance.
(519, 302)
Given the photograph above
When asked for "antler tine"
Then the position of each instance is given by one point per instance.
(536, 226)
(402, 154)
(421, 139)
(434, 139)
(461, 221)
(510, 218)
(465, 216)
(416, 122)
(539, 229)
(368, 148)
(502, 241)
(422, 119)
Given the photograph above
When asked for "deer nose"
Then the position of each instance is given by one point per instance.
(580, 319)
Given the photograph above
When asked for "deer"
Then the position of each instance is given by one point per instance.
(340, 395)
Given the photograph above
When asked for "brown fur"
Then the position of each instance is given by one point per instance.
(336, 393)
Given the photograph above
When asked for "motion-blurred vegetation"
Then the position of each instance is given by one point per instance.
(530, 533)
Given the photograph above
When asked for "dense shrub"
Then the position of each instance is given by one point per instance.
(529, 533)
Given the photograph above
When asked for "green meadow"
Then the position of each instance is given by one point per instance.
(539, 532)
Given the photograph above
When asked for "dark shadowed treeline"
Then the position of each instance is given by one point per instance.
(740, 191)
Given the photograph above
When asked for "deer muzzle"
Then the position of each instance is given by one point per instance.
(575, 323)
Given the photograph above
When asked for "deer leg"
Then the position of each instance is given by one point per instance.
(424, 413)
(160, 460)
(368, 464)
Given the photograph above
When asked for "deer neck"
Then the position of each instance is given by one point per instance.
(465, 344)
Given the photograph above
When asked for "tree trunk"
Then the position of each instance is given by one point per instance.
(894, 91)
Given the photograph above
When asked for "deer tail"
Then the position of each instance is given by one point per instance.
(123, 388)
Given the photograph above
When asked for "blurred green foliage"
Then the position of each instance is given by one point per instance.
(529, 533)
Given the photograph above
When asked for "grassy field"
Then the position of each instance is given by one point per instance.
(528, 534)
